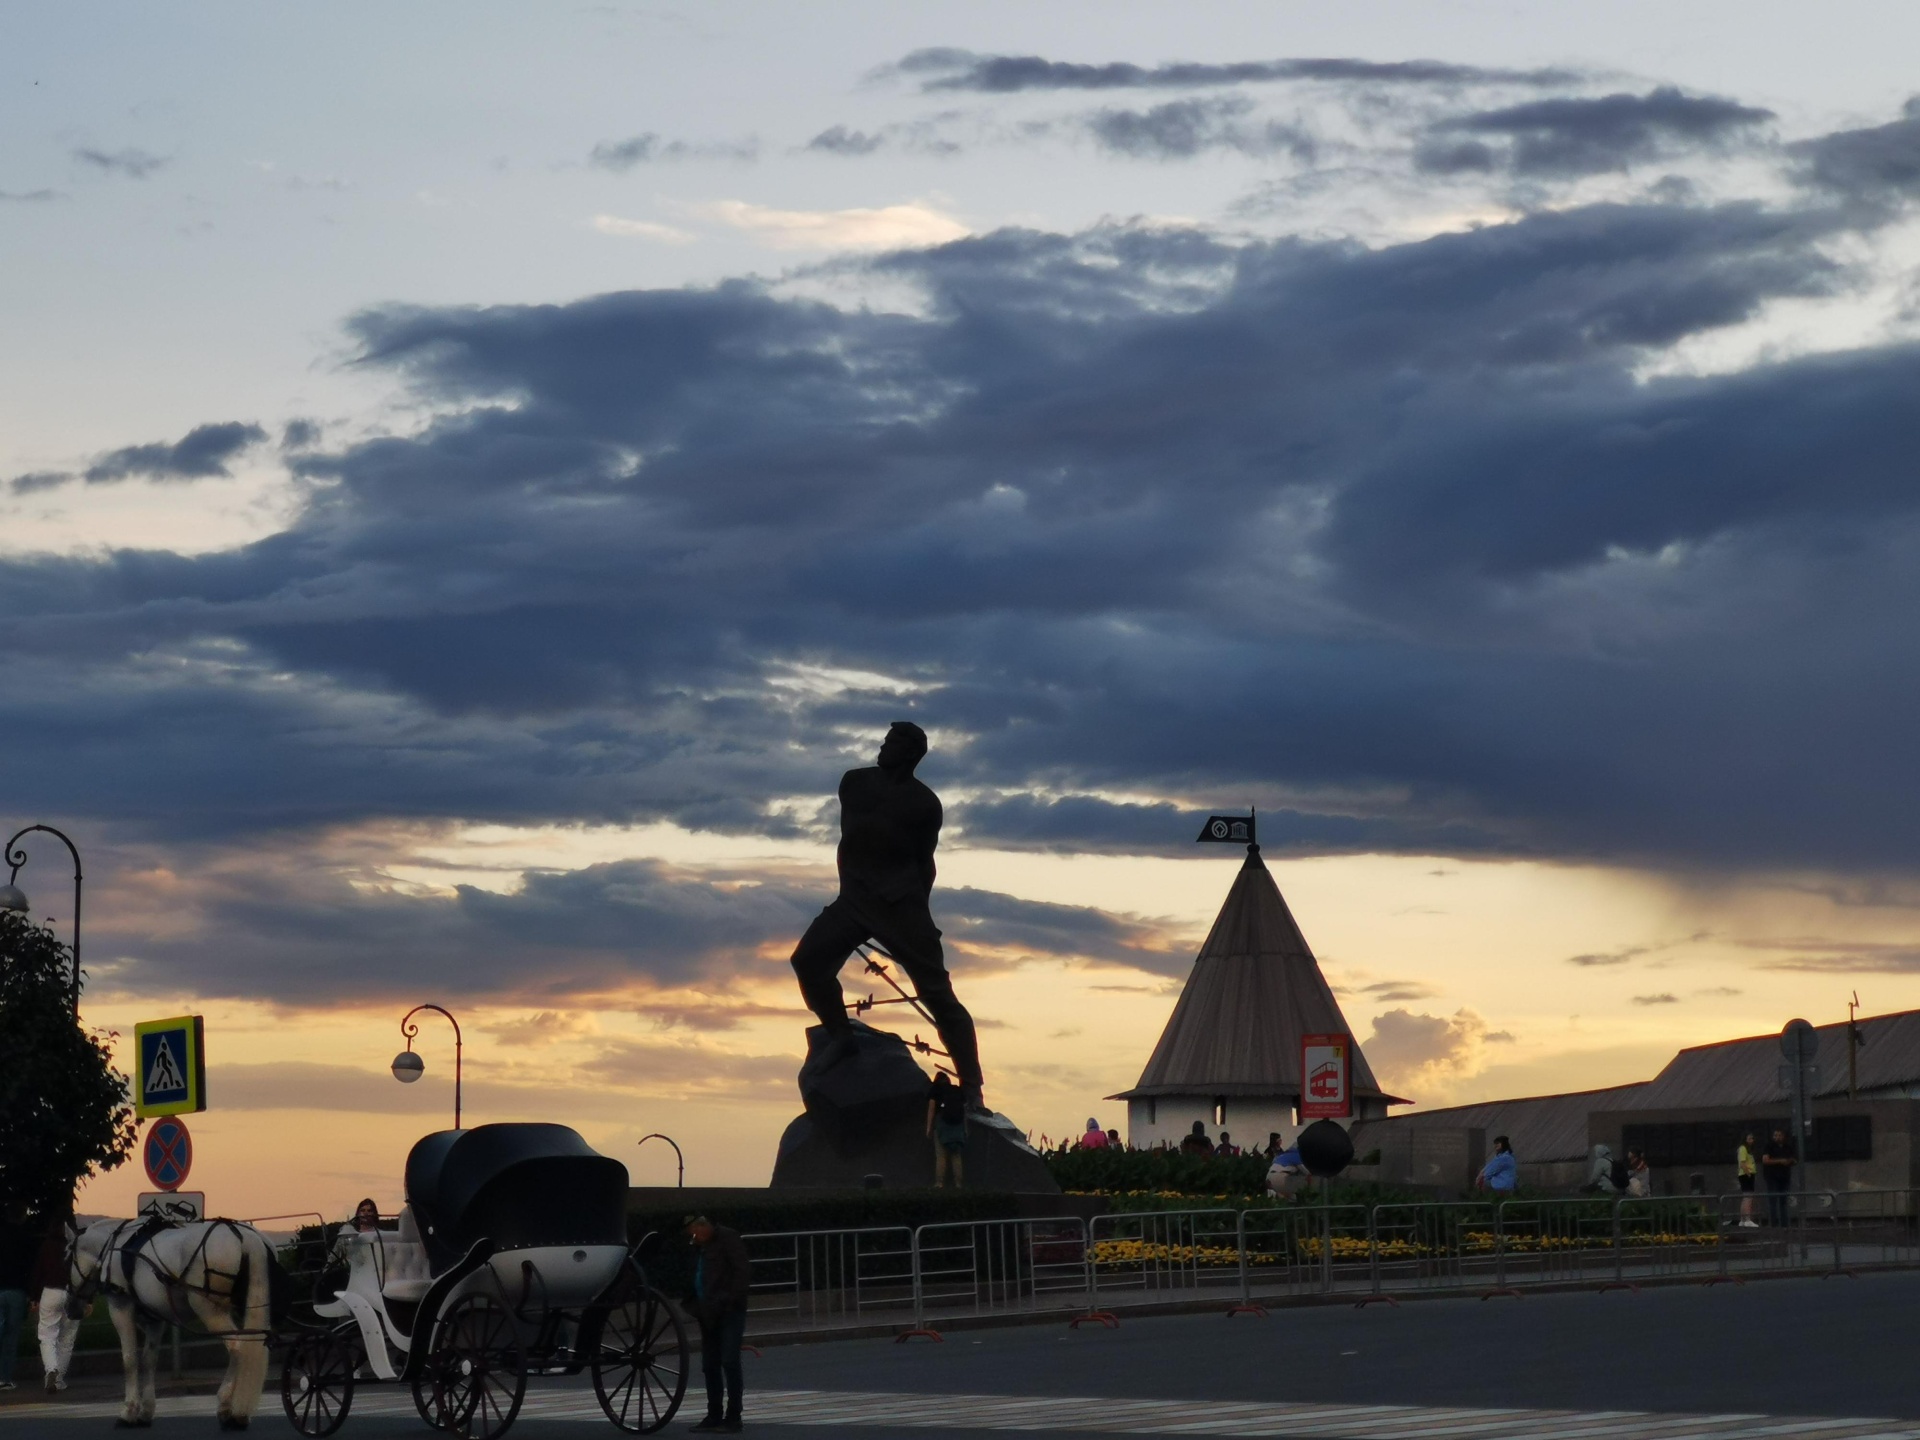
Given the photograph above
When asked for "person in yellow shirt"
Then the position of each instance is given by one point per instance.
(1744, 1169)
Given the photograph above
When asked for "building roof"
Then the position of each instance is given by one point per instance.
(1726, 1073)
(1747, 1071)
(1539, 1127)
(1254, 992)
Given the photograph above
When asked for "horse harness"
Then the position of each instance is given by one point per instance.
(132, 1253)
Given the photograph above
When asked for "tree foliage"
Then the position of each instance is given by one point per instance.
(65, 1112)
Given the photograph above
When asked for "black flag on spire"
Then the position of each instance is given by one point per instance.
(1228, 830)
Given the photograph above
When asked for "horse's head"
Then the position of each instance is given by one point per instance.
(86, 1263)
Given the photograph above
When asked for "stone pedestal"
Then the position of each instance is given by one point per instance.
(866, 1114)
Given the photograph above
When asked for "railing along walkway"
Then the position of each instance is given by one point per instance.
(914, 1280)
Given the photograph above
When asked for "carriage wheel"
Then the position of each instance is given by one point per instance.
(476, 1375)
(640, 1369)
(426, 1394)
(316, 1383)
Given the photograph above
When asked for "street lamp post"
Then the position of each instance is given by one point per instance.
(13, 898)
(409, 1067)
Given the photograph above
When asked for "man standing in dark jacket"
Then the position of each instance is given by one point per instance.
(721, 1279)
(18, 1244)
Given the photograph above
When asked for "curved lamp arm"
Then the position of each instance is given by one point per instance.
(680, 1178)
(410, 1030)
(17, 857)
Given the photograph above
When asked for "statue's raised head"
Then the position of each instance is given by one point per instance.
(904, 747)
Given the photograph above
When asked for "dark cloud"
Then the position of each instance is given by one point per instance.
(300, 435)
(1397, 991)
(1180, 129)
(692, 935)
(1661, 999)
(928, 135)
(1609, 957)
(1398, 543)
(1876, 163)
(983, 921)
(202, 453)
(133, 163)
(40, 480)
(562, 935)
(1838, 957)
(29, 197)
(621, 156)
(840, 140)
(952, 69)
(1567, 137)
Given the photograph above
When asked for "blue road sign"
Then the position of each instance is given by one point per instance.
(172, 1067)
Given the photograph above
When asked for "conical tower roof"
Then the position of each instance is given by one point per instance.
(1254, 991)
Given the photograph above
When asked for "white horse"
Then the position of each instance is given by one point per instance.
(210, 1275)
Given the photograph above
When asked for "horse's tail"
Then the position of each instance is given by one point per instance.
(253, 1283)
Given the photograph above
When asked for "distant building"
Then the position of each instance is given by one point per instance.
(1689, 1118)
(1230, 1055)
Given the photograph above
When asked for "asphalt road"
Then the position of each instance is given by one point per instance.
(1838, 1348)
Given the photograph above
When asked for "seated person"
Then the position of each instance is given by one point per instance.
(1197, 1143)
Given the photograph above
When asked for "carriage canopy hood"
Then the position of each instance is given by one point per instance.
(516, 1185)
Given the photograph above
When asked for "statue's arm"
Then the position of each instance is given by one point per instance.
(939, 817)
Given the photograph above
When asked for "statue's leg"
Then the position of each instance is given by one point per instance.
(912, 938)
(817, 960)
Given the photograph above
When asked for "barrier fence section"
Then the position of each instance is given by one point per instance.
(1303, 1250)
(1163, 1254)
(831, 1279)
(1434, 1246)
(999, 1267)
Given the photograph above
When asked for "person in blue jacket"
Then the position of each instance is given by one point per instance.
(1501, 1173)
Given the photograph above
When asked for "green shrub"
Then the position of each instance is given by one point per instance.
(1115, 1172)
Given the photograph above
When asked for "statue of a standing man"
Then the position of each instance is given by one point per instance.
(889, 826)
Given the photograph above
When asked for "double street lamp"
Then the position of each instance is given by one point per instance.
(12, 897)
(409, 1067)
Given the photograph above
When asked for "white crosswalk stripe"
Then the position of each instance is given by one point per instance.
(827, 1408)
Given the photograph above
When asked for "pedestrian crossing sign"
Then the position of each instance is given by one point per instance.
(170, 1062)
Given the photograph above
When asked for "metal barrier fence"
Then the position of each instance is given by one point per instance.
(999, 1267)
(834, 1279)
(1162, 1254)
(811, 1279)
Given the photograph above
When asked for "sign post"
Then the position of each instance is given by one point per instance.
(1800, 1042)
(1326, 1077)
(170, 1062)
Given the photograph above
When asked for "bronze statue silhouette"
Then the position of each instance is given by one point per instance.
(889, 826)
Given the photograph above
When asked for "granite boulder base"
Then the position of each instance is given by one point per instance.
(866, 1102)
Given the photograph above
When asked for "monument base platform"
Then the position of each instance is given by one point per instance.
(866, 1115)
(997, 1158)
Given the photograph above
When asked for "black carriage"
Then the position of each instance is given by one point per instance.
(511, 1260)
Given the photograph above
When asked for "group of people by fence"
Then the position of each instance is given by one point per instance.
(1196, 1143)
(1757, 1168)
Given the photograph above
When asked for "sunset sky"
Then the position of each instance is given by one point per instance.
(471, 478)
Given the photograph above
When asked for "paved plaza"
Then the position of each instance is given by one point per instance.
(1829, 1358)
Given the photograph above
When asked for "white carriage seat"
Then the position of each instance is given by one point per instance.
(407, 1275)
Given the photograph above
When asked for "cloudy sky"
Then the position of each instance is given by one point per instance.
(472, 476)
